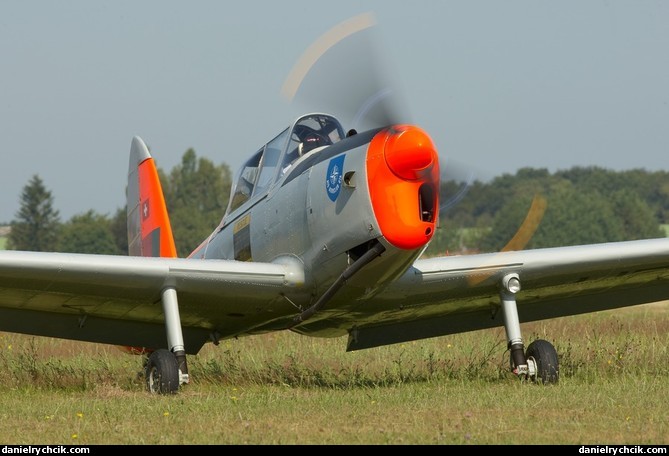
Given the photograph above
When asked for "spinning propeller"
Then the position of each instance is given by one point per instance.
(344, 73)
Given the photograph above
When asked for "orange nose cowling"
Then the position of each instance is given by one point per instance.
(403, 172)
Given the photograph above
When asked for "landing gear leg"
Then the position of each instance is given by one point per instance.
(175, 338)
(166, 370)
(540, 363)
(510, 286)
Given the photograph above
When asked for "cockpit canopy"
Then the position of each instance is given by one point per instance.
(270, 163)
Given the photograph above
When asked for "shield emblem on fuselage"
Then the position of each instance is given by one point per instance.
(333, 178)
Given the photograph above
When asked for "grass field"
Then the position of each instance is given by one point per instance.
(287, 389)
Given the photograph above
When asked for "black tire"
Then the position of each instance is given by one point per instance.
(546, 359)
(162, 372)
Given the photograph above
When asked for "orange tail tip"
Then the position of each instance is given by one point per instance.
(149, 229)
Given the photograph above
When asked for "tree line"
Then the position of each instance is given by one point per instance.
(581, 205)
(196, 193)
(532, 208)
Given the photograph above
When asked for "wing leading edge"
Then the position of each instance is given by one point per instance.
(117, 299)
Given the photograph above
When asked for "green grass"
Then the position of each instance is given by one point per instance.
(283, 388)
(3, 242)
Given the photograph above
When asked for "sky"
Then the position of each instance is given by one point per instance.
(498, 85)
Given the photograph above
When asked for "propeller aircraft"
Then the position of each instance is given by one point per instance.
(323, 235)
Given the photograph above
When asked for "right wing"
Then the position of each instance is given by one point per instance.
(454, 294)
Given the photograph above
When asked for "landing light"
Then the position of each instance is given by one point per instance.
(511, 283)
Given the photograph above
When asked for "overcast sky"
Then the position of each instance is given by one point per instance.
(498, 84)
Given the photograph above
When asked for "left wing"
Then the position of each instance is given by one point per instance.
(117, 299)
(455, 294)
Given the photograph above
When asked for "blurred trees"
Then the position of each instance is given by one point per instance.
(37, 223)
(88, 233)
(196, 194)
(582, 206)
(578, 206)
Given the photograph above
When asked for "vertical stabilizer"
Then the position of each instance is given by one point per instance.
(149, 229)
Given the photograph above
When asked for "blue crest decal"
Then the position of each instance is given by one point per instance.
(334, 177)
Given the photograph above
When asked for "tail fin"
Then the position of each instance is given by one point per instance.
(149, 229)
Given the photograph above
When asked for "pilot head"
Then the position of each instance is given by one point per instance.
(310, 142)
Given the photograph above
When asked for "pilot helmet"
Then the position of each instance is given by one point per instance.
(310, 142)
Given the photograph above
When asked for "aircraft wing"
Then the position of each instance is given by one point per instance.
(117, 299)
(453, 294)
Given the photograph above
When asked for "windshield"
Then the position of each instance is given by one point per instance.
(309, 133)
(259, 172)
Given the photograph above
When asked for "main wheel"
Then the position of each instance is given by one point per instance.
(546, 359)
(162, 372)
